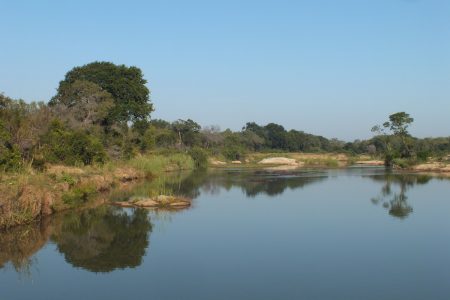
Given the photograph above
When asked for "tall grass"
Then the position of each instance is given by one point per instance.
(154, 164)
(328, 162)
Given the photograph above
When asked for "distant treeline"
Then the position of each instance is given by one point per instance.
(101, 112)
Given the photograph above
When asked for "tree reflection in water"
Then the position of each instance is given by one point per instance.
(103, 239)
(251, 182)
(19, 244)
(397, 202)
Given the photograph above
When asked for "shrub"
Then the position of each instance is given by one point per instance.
(148, 141)
(68, 179)
(234, 153)
(403, 162)
(10, 159)
(79, 195)
(422, 156)
(200, 157)
(72, 147)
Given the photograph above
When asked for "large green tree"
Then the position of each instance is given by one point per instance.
(125, 84)
(84, 104)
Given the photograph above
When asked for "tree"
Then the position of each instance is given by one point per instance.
(24, 123)
(398, 126)
(84, 104)
(399, 123)
(276, 135)
(187, 131)
(211, 136)
(125, 84)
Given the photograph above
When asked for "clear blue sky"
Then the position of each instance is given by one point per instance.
(333, 67)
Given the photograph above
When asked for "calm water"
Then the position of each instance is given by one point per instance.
(338, 234)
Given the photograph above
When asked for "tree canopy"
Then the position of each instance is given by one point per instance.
(125, 84)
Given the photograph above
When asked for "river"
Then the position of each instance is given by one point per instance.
(356, 233)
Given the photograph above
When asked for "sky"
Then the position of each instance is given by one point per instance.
(328, 67)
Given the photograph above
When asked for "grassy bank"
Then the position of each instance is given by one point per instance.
(29, 195)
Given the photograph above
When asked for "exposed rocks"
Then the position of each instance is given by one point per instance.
(278, 161)
(146, 203)
(370, 162)
(217, 163)
(285, 167)
(237, 162)
(159, 202)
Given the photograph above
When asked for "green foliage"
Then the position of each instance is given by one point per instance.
(125, 84)
(79, 195)
(154, 164)
(403, 162)
(276, 136)
(83, 104)
(399, 123)
(148, 141)
(234, 153)
(187, 131)
(68, 179)
(200, 157)
(399, 143)
(10, 159)
(72, 147)
(24, 123)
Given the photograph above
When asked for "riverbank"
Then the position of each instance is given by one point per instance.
(31, 195)
(292, 161)
(295, 160)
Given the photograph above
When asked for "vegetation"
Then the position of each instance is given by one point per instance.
(101, 112)
(398, 147)
(99, 120)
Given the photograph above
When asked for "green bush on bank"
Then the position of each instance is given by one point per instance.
(10, 159)
(234, 153)
(62, 145)
(79, 195)
(200, 157)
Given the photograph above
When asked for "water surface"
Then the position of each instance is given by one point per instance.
(358, 233)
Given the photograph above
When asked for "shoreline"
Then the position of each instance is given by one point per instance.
(29, 197)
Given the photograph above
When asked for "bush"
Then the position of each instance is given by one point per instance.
(422, 156)
(10, 159)
(72, 147)
(148, 140)
(404, 162)
(233, 153)
(79, 195)
(200, 157)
